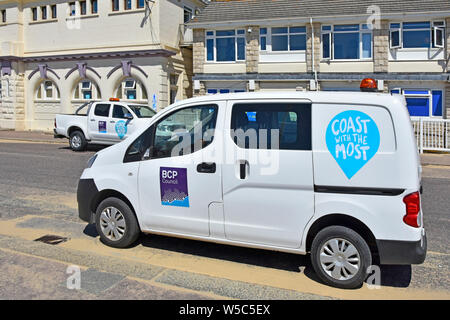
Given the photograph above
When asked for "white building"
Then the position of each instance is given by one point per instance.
(56, 55)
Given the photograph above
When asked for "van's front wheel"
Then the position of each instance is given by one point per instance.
(116, 223)
(340, 257)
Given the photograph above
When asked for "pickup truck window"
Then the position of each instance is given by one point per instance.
(119, 112)
(102, 110)
(142, 111)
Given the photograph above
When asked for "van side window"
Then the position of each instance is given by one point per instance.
(184, 131)
(137, 149)
(102, 110)
(283, 126)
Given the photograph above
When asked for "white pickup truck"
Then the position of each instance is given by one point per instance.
(101, 123)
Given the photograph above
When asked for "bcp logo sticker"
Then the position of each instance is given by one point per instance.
(121, 128)
(174, 187)
(352, 138)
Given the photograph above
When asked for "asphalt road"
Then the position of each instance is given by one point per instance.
(38, 197)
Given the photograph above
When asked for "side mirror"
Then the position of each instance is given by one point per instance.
(129, 117)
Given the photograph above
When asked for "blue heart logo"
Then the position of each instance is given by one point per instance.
(352, 138)
(121, 128)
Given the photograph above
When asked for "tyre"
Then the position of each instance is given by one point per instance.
(340, 257)
(116, 223)
(77, 141)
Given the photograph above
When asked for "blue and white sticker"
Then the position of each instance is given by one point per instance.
(102, 126)
(352, 138)
(174, 187)
(121, 128)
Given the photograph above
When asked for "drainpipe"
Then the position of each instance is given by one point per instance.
(313, 61)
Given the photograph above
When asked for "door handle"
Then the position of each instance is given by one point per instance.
(206, 167)
(112, 121)
(243, 169)
(92, 119)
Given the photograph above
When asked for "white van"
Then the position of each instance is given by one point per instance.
(333, 174)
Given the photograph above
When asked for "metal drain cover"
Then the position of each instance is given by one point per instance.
(52, 239)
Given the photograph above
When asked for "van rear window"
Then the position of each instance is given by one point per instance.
(283, 126)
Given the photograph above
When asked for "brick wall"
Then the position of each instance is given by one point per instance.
(317, 47)
(198, 49)
(252, 49)
(381, 47)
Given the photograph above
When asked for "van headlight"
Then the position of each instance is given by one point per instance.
(91, 160)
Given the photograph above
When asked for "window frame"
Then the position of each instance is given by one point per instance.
(155, 125)
(329, 29)
(236, 49)
(269, 35)
(43, 89)
(3, 16)
(138, 6)
(428, 95)
(115, 8)
(297, 107)
(435, 25)
(94, 8)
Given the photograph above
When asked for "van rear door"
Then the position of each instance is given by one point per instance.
(268, 172)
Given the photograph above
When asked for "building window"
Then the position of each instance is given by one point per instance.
(44, 13)
(279, 39)
(417, 35)
(72, 9)
(218, 91)
(34, 14)
(3, 16)
(115, 5)
(422, 102)
(54, 12)
(83, 8)
(127, 4)
(131, 89)
(347, 42)
(86, 90)
(94, 6)
(225, 45)
(47, 91)
(187, 14)
(140, 4)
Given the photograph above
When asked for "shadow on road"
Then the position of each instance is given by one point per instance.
(90, 148)
(391, 276)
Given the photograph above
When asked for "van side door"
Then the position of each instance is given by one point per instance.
(268, 172)
(180, 176)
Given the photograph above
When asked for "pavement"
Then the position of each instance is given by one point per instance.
(427, 159)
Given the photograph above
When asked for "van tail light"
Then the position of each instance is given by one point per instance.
(412, 202)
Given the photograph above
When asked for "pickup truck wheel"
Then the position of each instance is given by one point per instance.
(116, 223)
(340, 257)
(77, 141)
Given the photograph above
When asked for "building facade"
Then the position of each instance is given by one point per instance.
(56, 55)
(326, 45)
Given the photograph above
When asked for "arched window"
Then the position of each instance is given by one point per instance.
(47, 90)
(86, 90)
(132, 90)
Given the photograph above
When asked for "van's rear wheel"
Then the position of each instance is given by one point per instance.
(340, 257)
(77, 141)
(116, 223)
